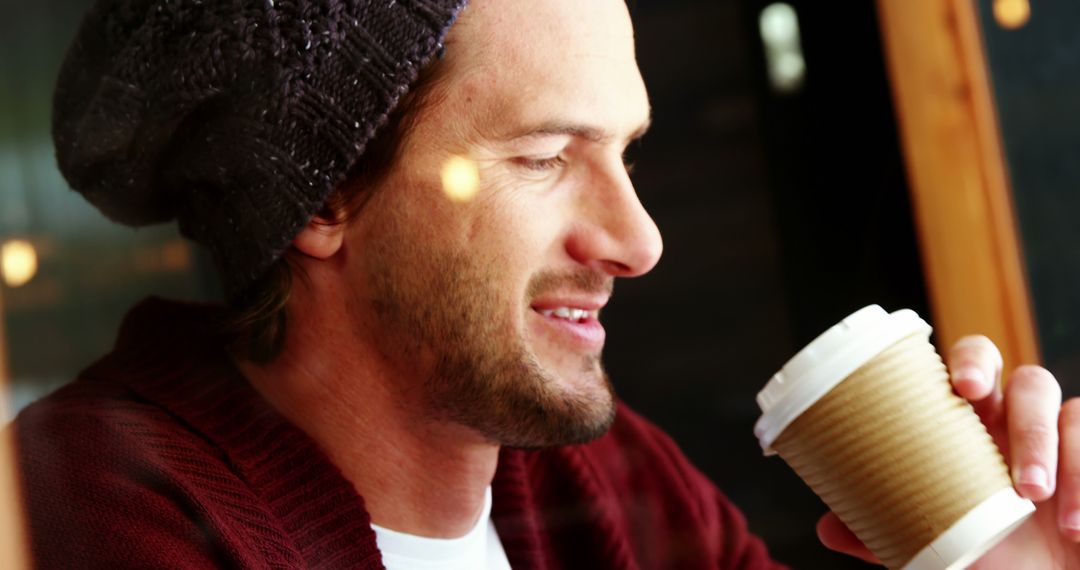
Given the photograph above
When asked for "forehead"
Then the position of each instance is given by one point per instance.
(571, 61)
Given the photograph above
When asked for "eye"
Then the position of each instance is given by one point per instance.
(541, 164)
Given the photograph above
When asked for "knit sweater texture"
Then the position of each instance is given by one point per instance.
(161, 455)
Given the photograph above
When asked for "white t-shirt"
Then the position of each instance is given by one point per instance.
(479, 549)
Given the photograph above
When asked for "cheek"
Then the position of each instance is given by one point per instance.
(520, 232)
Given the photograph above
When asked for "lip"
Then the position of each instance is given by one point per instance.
(587, 334)
(587, 302)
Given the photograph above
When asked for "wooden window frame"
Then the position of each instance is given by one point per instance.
(959, 181)
(12, 533)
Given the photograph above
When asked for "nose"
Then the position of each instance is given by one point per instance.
(613, 234)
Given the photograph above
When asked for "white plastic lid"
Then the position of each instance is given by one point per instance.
(825, 362)
(975, 533)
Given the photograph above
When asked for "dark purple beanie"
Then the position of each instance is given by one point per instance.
(236, 117)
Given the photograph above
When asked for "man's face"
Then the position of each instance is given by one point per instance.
(487, 308)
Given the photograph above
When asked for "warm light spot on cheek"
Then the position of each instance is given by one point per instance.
(18, 262)
(460, 179)
(1012, 14)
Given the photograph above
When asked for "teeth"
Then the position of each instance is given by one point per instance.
(569, 313)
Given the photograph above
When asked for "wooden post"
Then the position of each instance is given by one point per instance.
(12, 534)
(956, 168)
(4, 369)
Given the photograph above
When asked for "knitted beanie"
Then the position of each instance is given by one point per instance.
(236, 117)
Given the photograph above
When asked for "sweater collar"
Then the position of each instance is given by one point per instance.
(177, 361)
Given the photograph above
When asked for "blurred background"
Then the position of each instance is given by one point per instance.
(774, 169)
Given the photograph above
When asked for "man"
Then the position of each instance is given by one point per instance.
(380, 379)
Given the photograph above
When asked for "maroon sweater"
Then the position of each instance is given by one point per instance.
(161, 455)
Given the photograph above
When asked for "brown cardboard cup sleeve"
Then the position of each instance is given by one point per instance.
(866, 416)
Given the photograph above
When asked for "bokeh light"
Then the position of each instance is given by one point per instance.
(18, 262)
(1012, 14)
(460, 179)
(779, 28)
(779, 24)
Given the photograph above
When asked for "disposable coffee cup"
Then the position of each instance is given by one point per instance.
(866, 416)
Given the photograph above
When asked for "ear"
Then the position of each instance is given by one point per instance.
(321, 238)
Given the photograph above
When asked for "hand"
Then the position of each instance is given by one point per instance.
(1040, 439)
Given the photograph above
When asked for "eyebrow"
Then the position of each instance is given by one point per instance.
(588, 132)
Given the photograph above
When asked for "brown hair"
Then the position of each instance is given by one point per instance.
(254, 324)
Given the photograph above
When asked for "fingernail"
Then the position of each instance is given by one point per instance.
(1033, 476)
(1071, 521)
(971, 374)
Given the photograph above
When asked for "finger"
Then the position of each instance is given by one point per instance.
(975, 365)
(1069, 477)
(835, 535)
(1032, 403)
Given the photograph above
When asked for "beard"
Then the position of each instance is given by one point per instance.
(446, 316)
